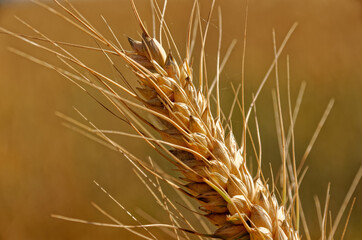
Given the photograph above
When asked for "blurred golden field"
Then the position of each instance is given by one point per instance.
(46, 168)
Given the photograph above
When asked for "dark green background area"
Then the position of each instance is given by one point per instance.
(46, 168)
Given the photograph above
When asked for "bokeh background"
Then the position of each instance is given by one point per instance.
(46, 168)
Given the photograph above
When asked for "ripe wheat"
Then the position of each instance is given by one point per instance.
(213, 167)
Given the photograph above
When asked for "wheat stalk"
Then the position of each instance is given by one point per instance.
(213, 167)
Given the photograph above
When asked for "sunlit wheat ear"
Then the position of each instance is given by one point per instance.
(213, 166)
(210, 160)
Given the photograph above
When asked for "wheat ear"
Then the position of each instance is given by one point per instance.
(212, 164)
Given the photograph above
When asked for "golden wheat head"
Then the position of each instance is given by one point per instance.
(212, 165)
